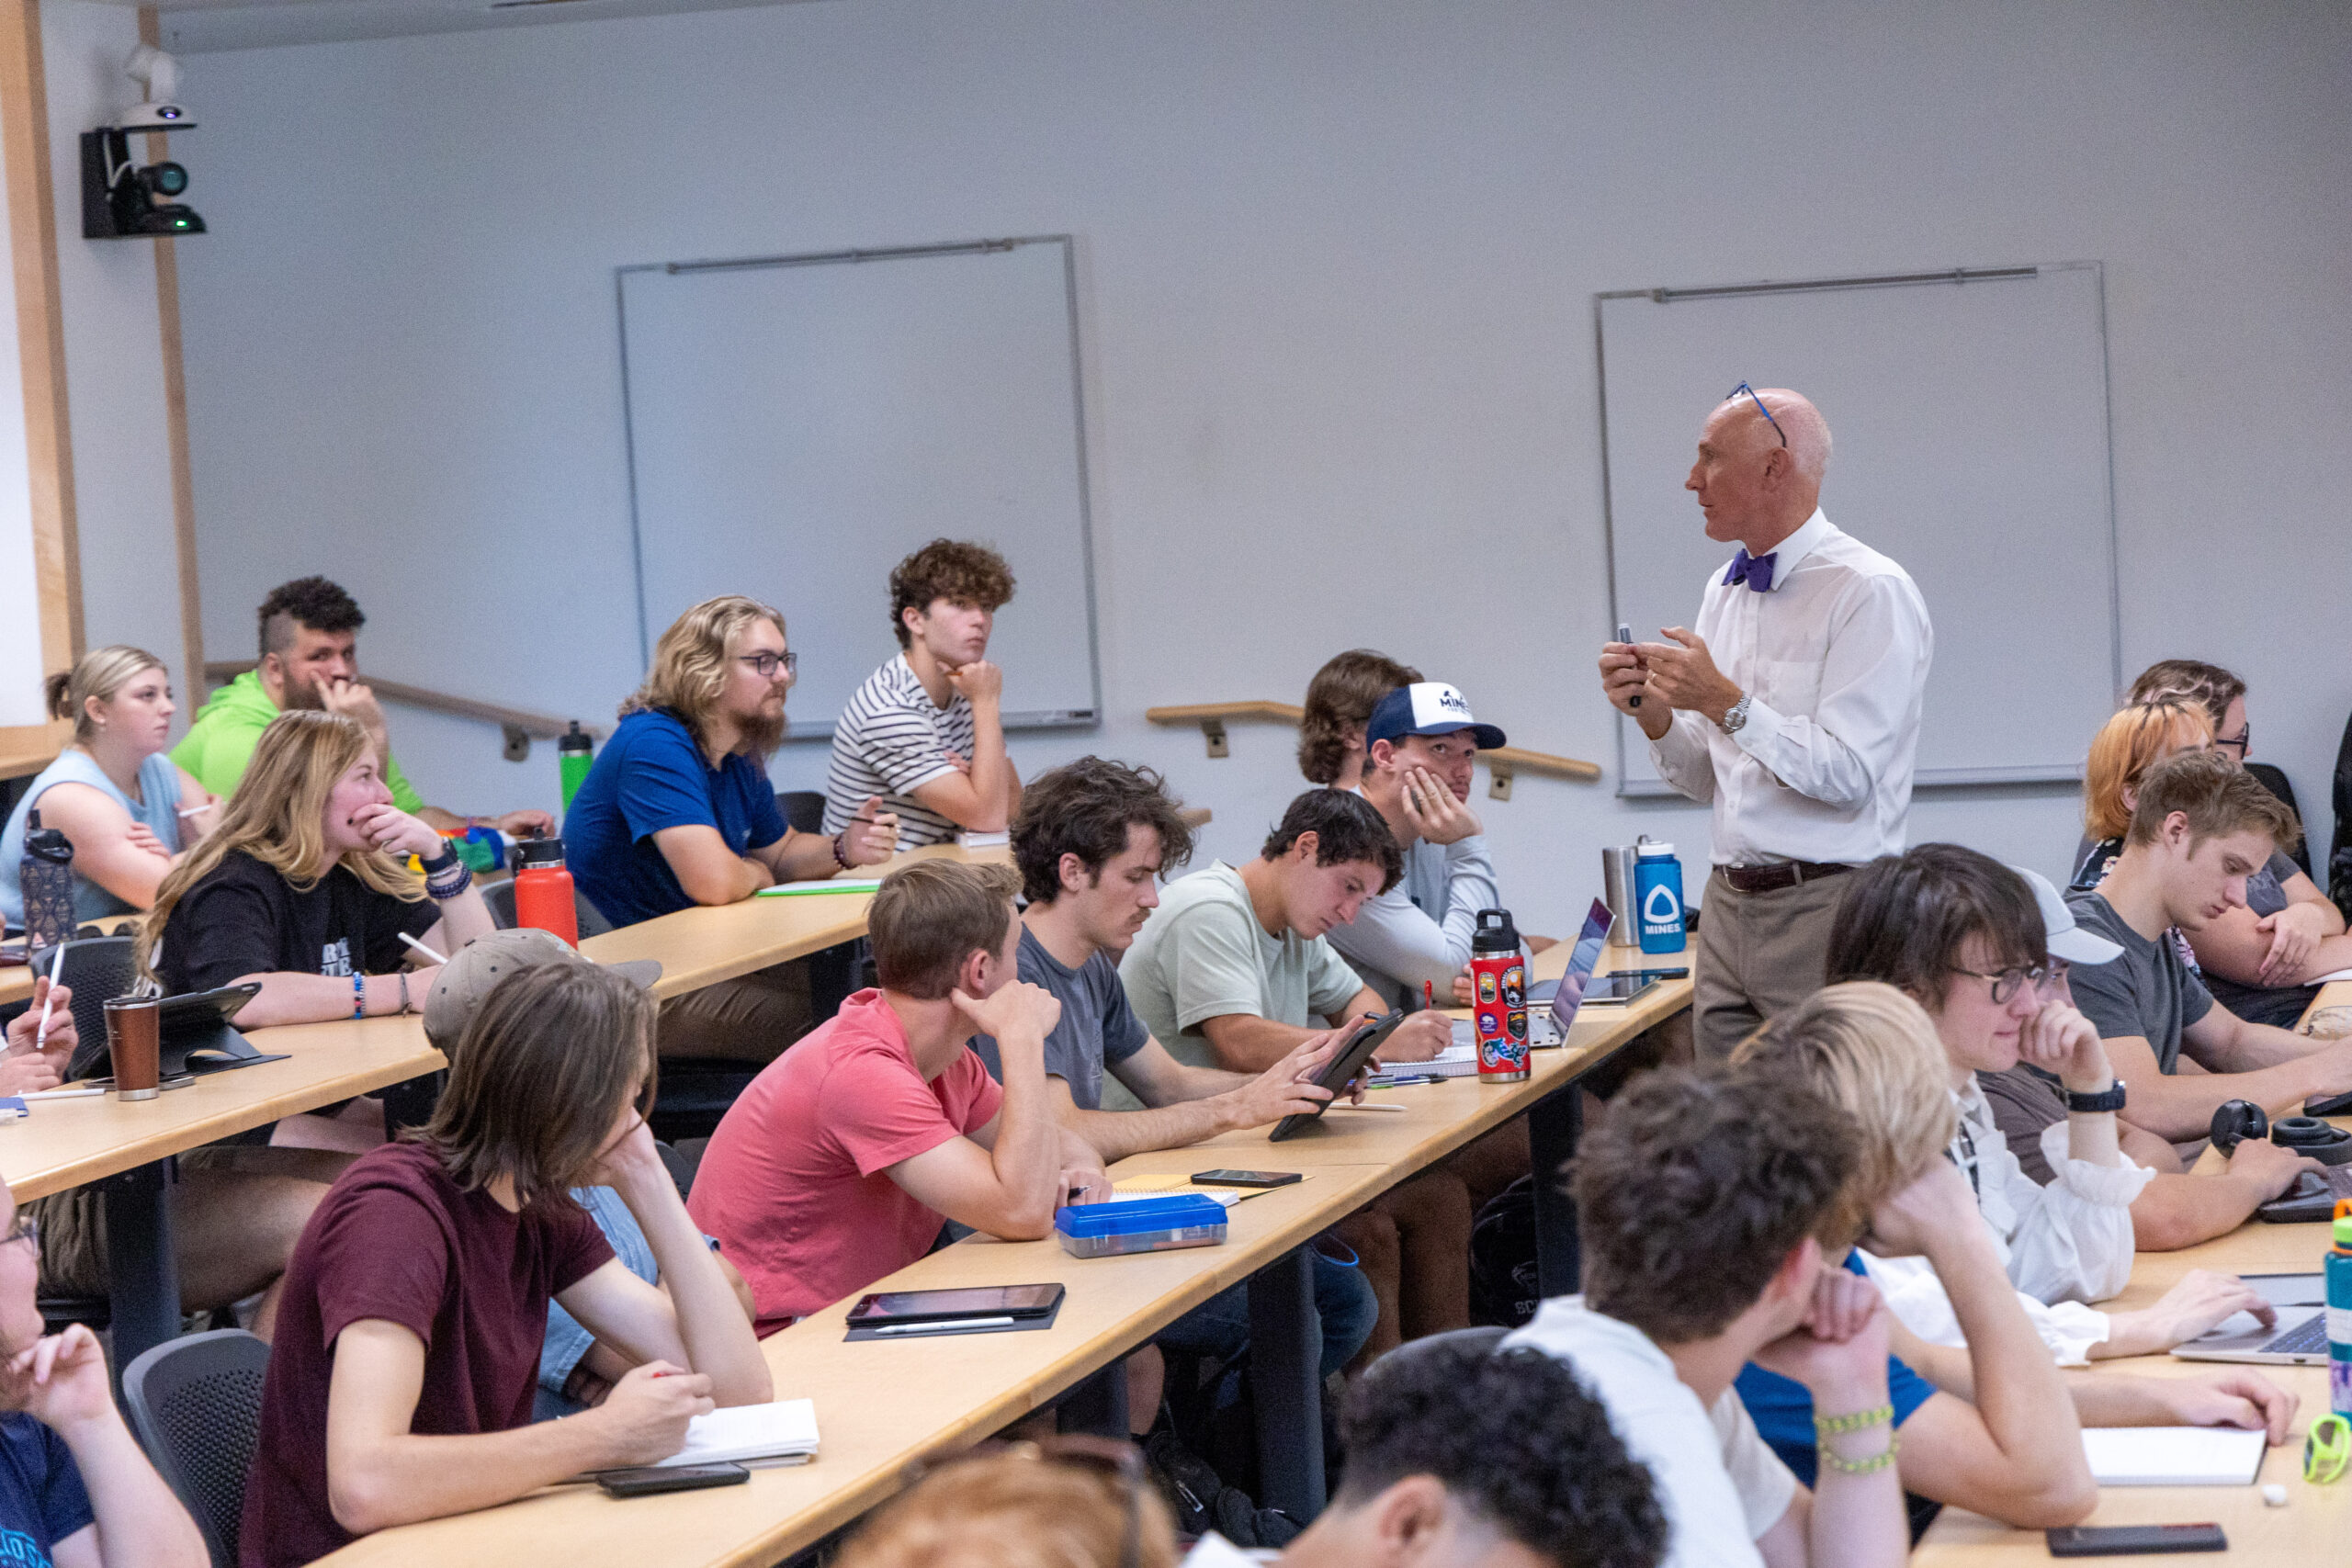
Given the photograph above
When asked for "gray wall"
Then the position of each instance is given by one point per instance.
(1336, 268)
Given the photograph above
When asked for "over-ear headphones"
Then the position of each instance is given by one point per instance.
(2237, 1120)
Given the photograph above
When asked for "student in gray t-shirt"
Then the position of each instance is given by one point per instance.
(2202, 826)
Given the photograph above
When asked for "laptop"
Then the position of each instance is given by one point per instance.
(1549, 1028)
(2299, 1338)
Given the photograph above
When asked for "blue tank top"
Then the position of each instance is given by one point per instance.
(159, 783)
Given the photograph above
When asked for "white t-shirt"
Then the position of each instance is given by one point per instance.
(1213, 1550)
(1718, 1484)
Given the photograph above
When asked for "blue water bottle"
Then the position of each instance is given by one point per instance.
(2339, 1312)
(1657, 894)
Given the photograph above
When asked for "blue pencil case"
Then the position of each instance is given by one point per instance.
(1140, 1225)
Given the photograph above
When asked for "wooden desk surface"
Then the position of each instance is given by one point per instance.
(67, 1143)
(941, 1395)
(2314, 1528)
(702, 946)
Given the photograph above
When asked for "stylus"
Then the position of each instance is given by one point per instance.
(64, 1094)
(49, 999)
(947, 1327)
(420, 947)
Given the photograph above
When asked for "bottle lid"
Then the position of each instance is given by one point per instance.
(574, 739)
(1495, 933)
(47, 843)
(1650, 849)
(530, 852)
(2343, 1225)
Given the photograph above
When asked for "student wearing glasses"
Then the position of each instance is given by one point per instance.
(1964, 936)
(678, 811)
(2260, 960)
(1803, 736)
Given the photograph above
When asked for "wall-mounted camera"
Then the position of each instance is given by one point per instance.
(122, 199)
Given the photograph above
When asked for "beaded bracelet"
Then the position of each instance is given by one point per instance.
(840, 858)
(1869, 1466)
(1861, 1420)
(358, 995)
(443, 888)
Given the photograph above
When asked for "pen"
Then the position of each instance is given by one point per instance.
(1428, 995)
(64, 1094)
(192, 810)
(56, 967)
(1390, 1109)
(420, 947)
(948, 1327)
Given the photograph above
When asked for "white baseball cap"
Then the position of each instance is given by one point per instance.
(2067, 939)
(1427, 707)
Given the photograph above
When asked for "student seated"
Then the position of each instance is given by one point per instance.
(677, 811)
(400, 1388)
(1707, 1207)
(1990, 1425)
(1092, 842)
(302, 888)
(113, 793)
(1339, 700)
(2260, 960)
(1069, 1503)
(926, 731)
(847, 1154)
(1414, 938)
(1235, 971)
(75, 1490)
(1929, 922)
(2133, 740)
(1457, 1458)
(2203, 826)
(577, 1371)
(309, 660)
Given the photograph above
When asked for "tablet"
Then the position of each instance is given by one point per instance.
(1340, 1070)
(880, 1307)
(189, 1022)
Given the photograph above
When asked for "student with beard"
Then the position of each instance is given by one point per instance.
(678, 811)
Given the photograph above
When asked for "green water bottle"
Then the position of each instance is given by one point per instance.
(575, 753)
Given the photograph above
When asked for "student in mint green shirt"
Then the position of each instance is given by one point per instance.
(310, 659)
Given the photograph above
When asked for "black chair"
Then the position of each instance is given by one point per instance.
(1488, 1338)
(500, 897)
(97, 969)
(2276, 783)
(195, 1404)
(804, 809)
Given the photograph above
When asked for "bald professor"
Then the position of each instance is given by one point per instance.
(1792, 708)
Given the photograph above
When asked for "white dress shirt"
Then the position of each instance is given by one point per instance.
(1833, 656)
(2062, 1246)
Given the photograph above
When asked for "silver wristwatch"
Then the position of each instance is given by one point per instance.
(1731, 721)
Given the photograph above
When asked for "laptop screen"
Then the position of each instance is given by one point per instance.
(1590, 940)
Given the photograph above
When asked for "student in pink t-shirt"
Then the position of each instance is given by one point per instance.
(840, 1162)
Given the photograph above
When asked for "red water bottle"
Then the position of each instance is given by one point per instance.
(1498, 998)
(543, 889)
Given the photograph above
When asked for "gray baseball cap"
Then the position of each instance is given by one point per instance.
(465, 981)
(2067, 939)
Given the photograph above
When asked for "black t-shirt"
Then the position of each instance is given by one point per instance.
(246, 918)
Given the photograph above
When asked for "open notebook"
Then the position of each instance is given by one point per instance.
(785, 1430)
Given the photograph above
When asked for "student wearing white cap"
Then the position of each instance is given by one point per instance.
(1418, 747)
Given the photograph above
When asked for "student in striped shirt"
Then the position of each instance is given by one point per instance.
(925, 732)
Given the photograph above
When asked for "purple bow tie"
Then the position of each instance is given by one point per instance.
(1754, 571)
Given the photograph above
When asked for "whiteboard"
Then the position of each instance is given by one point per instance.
(797, 426)
(1969, 427)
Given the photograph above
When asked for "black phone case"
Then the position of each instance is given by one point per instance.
(2134, 1541)
(685, 1478)
(1279, 1179)
(1352, 1059)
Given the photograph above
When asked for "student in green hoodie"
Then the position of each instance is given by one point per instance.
(310, 659)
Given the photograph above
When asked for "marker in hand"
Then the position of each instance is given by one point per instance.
(1626, 635)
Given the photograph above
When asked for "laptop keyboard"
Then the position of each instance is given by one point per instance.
(2307, 1338)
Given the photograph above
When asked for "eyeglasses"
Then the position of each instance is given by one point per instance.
(767, 664)
(2238, 742)
(1775, 424)
(2327, 1449)
(25, 1229)
(2044, 977)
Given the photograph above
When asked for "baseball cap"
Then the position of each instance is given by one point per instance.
(1427, 707)
(2067, 939)
(465, 982)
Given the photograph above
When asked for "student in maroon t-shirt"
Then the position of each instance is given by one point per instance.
(407, 1340)
(837, 1165)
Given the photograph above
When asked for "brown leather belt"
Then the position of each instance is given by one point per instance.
(1779, 874)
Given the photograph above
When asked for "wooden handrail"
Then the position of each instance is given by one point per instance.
(522, 721)
(1502, 761)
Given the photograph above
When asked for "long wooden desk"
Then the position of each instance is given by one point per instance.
(880, 1407)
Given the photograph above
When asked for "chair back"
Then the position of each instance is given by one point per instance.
(804, 809)
(97, 969)
(195, 1404)
(1486, 1338)
(500, 896)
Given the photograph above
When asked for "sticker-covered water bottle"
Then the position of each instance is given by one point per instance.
(1657, 894)
(1498, 998)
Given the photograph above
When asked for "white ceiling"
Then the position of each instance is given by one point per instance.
(198, 27)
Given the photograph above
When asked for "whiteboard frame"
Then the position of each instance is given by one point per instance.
(1041, 718)
(1628, 788)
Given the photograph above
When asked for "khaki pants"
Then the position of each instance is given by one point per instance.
(1760, 953)
(750, 1019)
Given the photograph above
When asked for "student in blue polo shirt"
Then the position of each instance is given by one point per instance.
(678, 811)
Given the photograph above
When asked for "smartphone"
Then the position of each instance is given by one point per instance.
(1658, 974)
(1626, 635)
(880, 1307)
(646, 1480)
(1246, 1177)
(1615, 990)
(2134, 1541)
